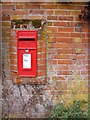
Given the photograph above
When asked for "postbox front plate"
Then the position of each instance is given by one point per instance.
(27, 53)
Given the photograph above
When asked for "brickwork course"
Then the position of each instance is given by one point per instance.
(62, 57)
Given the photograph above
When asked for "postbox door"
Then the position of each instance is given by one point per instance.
(27, 63)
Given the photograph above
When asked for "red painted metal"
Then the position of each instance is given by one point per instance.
(27, 44)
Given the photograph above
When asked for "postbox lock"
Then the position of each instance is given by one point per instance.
(26, 50)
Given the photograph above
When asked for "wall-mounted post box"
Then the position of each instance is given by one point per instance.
(27, 53)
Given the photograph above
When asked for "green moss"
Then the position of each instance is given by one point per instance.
(36, 23)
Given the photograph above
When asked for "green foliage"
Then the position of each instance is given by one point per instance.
(36, 23)
(71, 112)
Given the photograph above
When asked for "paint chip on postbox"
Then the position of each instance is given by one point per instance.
(27, 61)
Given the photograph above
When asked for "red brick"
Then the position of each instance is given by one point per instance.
(62, 67)
(64, 40)
(37, 12)
(78, 7)
(85, 30)
(18, 12)
(5, 7)
(85, 40)
(6, 29)
(75, 13)
(42, 49)
(53, 29)
(14, 73)
(19, 6)
(66, 29)
(51, 50)
(52, 17)
(50, 6)
(32, 6)
(6, 12)
(60, 45)
(77, 35)
(43, 55)
(66, 51)
(61, 24)
(64, 61)
(6, 18)
(85, 72)
(13, 61)
(13, 67)
(52, 62)
(59, 34)
(65, 6)
(51, 39)
(49, 12)
(12, 49)
(41, 67)
(18, 80)
(13, 55)
(61, 12)
(59, 56)
(64, 72)
(58, 78)
(41, 73)
(41, 62)
(41, 43)
(13, 43)
(5, 34)
(66, 18)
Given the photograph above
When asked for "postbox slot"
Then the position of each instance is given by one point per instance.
(26, 39)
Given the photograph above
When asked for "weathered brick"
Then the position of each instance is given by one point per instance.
(77, 35)
(65, 61)
(62, 12)
(66, 51)
(5, 7)
(77, 40)
(60, 45)
(53, 62)
(20, 12)
(66, 18)
(50, 6)
(34, 6)
(65, 24)
(6, 18)
(19, 6)
(13, 55)
(61, 34)
(75, 13)
(18, 17)
(41, 73)
(78, 51)
(71, 7)
(36, 12)
(13, 68)
(66, 29)
(64, 40)
(58, 78)
(52, 17)
(61, 56)
(53, 29)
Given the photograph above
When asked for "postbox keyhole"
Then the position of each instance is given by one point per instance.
(27, 50)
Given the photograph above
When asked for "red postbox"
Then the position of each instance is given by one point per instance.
(27, 53)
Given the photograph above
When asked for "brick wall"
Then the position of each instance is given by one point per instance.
(62, 63)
